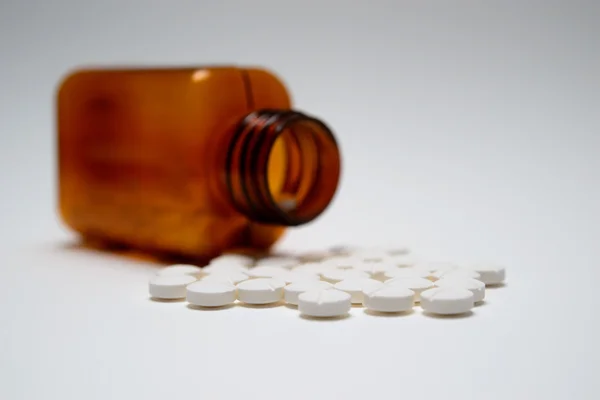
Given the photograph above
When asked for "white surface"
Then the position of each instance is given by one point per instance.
(469, 131)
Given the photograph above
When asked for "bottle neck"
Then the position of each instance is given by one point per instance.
(282, 167)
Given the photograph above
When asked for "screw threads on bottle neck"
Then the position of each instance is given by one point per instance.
(282, 167)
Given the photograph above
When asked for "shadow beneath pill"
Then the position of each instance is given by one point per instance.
(290, 306)
(496, 286)
(388, 314)
(481, 303)
(157, 300)
(270, 305)
(468, 314)
(201, 308)
(325, 319)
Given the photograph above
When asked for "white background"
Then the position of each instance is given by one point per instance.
(470, 131)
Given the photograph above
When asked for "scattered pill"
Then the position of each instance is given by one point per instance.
(324, 303)
(261, 291)
(293, 290)
(325, 283)
(232, 277)
(169, 287)
(447, 300)
(489, 274)
(417, 285)
(406, 273)
(266, 272)
(207, 293)
(475, 286)
(354, 287)
(389, 299)
(337, 275)
(180, 269)
(457, 273)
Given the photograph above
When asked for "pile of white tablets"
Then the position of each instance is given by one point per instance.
(326, 284)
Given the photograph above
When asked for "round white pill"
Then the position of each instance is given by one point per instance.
(180, 269)
(490, 274)
(293, 290)
(338, 275)
(354, 287)
(417, 285)
(231, 258)
(447, 300)
(476, 287)
(261, 291)
(389, 298)
(299, 276)
(406, 273)
(207, 293)
(278, 262)
(324, 303)
(232, 277)
(169, 287)
(266, 272)
(457, 273)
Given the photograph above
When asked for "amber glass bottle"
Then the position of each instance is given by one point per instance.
(189, 161)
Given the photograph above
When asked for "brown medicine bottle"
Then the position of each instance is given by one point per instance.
(189, 161)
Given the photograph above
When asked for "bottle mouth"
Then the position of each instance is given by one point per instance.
(283, 167)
